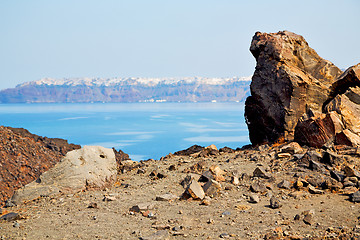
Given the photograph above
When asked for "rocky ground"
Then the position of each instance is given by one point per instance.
(271, 192)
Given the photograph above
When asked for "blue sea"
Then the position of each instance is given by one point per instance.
(142, 130)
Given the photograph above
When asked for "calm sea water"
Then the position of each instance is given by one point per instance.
(143, 130)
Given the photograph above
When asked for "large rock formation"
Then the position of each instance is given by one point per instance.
(24, 156)
(290, 80)
(88, 167)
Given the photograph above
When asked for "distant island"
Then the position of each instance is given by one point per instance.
(87, 90)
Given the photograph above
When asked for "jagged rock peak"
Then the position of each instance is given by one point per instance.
(289, 80)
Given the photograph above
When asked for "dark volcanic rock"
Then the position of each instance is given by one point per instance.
(290, 78)
(189, 151)
(24, 156)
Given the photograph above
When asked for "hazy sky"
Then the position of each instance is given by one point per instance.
(162, 38)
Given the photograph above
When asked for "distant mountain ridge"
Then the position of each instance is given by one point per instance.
(84, 90)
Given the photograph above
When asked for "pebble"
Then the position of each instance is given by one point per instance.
(224, 235)
(274, 203)
(355, 197)
(166, 197)
(260, 172)
(16, 225)
(308, 219)
(254, 198)
(226, 213)
(10, 217)
(284, 184)
(93, 205)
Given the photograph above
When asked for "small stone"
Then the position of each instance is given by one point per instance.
(284, 184)
(172, 168)
(297, 217)
(16, 225)
(260, 172)
(147, 214)
(166, 197)
(284, 155)
(194, 190)
(12, 216)
(254, 198)
(212, 188)
(235, 180)
(293, 148)
(355, 197)
(93, 205)
(258, 187)
(176, 228)
(206, 201)
(224, 235)
(141, 171)
(141, 207)
(308, 219)
(298, 194)
(210, 221)
(206, 176)
(298, 184)
(274, 203)
(94, 218)
(226, 213)
(243, 208)
(314, 190)
(109, 198)
(218, 173)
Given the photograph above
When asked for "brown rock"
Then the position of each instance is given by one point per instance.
(308, 219)
(258, 187)
(212, 188)
(218, 173)
(194, 190)
(292, 148)
(351, 172)
(141, 207)
(350, 78)
(166, 197)
(348, 138)
(274, 203)
(198, 168)
(260, 172)
(316, 132)
(289, 79)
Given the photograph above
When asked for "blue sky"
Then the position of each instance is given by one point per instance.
(162, 38)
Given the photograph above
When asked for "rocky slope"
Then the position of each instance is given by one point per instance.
(24, 156)
(271, 192)
(128, 90)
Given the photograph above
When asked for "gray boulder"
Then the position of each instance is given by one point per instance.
(88, 167)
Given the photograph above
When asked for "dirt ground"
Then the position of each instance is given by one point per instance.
(229, 215)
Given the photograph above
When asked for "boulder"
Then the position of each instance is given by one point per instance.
(350, 78)
(347, 106)
(290, 78)
(88, 167)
